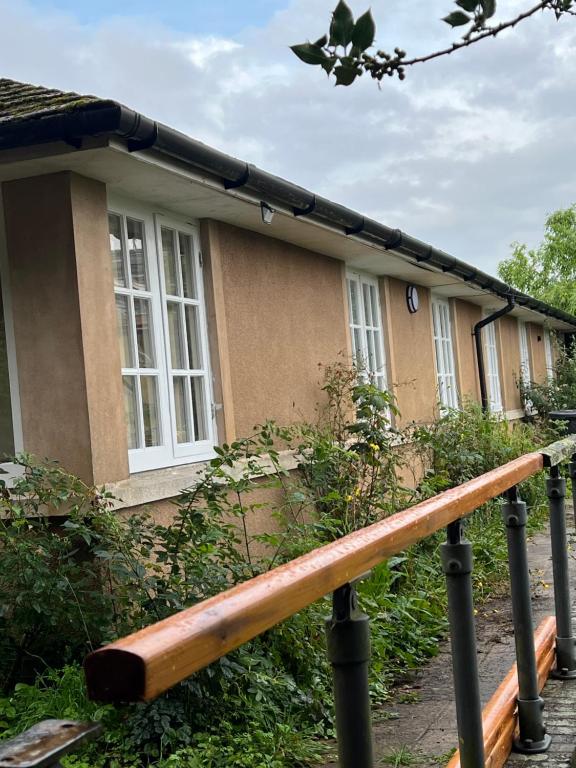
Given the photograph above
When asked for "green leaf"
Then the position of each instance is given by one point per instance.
(321, 42)
(457, 19)
(468, 5)
(328, 65)
(342, 25)
(345, 75)
(309, 53)
(489, 7)
(364, 32)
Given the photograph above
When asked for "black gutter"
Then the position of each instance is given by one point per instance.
(108, 118)
(484, 399)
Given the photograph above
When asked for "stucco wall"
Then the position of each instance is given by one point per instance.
(65, 325)
(510, 363)
(411, 352)
(284, 314)
(537, 353)
(465, 316)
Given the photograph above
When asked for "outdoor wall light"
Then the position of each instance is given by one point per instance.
(412, 299)
(267, 213)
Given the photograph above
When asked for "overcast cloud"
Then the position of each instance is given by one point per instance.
(469, 153)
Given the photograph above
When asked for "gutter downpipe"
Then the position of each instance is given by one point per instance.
(480, 353)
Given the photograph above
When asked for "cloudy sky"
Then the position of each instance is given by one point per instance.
(469, 153)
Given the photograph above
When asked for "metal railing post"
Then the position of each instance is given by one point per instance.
(572, 474)
(348, 639)
(533, 737)
(565, 644)
(456, 556)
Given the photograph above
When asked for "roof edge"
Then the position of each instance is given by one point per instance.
(141, 134)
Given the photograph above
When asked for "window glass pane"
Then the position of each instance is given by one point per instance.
(371, 362)
(193, 334)
(353, 293)
(143, 318)
(378, 351)
(374, 305)
(181, 408)
(357, 345)
(116, 250)
(131, 410)
(175, 330)
(6, 430)
(367, 305)
(187, 261)
(169, 258)
(199, 408)
(149, 387)
(125, 330)
(138, 270)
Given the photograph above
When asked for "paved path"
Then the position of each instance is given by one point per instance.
(423, 732)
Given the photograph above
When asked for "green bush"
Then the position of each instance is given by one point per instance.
(557, 393)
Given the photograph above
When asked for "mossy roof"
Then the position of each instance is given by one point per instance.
(22, 101)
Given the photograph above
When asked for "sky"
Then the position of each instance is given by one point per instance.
(469, 153)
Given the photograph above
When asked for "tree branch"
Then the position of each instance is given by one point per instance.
(490, 32)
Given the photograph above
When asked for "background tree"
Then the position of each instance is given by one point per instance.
(547, 272)
(343, 51)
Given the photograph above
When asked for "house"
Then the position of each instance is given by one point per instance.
(159, 297)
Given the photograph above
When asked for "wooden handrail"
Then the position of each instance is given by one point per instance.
(149, 662)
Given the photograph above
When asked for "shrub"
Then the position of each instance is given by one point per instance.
(557, 393)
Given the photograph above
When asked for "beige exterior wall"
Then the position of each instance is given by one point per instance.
(65, 324)
(281, 313)
(276, 312)
(465, 316)
(537, 353)
(411, 351)
(509, 363)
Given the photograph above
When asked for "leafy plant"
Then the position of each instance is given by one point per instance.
(547, 272)
(343, 52)
(557, 393)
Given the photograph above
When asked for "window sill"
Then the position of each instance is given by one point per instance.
(163, 484)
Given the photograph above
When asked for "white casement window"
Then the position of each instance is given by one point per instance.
(525, 373)
(548, 355)
(10, 421)
(163, 340)
(492, 368)
(366, 326)
(444, 349)
(7, 447)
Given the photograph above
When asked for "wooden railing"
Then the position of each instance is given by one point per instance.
(143, 665)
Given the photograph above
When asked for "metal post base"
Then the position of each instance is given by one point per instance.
(564, 669)
(529, 747)
(530, 717)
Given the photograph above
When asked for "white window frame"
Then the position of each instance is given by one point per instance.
(548, 355)
(444, 353)
(492, 367)
(9, 470)
(525, 372)
(169, 452)
(367, 331)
